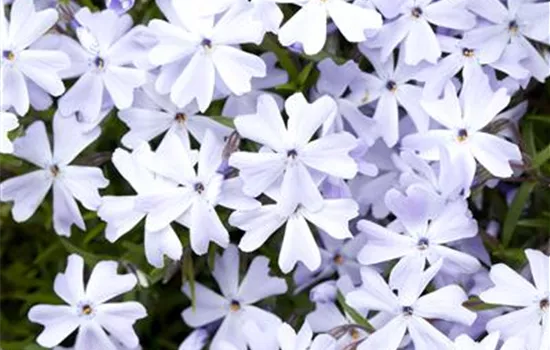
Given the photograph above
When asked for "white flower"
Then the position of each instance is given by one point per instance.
(309, 25)
(69, 182)
(246, 104)
(235, 306)
(290, 340)
(337, 256)
(192, 203)
(409, 309)
(512, 26)
(464, 119)
(8, 122)
(391, 87)
(28, 70)
(198, 56)
(154, 114)
(467, 59)
(334, 81)
(121, 213)
(511, 289)
(464, 342)
(195, 341)
(289, 160)
(428, 225)
(298, 242)
(87, 310)
(104, 62)
(413, 28)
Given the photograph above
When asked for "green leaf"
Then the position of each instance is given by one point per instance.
(515, 210)
(541, 157)
(355, 316)
(304, 74)
(475, 304)
(188, 273)
(535, 223)
(283, 56)
(224, 121)
(89, 258)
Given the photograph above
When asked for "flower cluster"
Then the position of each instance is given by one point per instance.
(356, 180)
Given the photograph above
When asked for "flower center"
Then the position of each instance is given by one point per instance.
(423, 243)
(54, 169)
(8, 55)
(544, 304)
(206, 43)
(407, 310)
(338, 259)
(416, 12)
(513, 27)
(462, 135)
(291, 153)
(235, 306)
(87, 309)
(354, 334)
(199, 187)
(180, 117)
(99, 62)
(391, 85)
(468, 52)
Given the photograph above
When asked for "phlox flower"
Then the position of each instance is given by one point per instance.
(193, 201)
(290, 340)
(298, 242)
(464, 342)
(8, 122)
(512, 26)
(412, 28)
(88, 309)
(153, 114)
(235, 305)
(337, 256)
(531, 320)
(69, 182)
(391, 86)
(120, 6)
(428, 224)
(28, 71)
(369, 191)
(334, 80)
(122, 214)
(464, 117)
(103, 61)
(309, 25)
(199, 56)
(467, 59)
(409, 310)
(289, 160)
(246, 104)
(196, 340)
(437, 178)
(327, 317)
